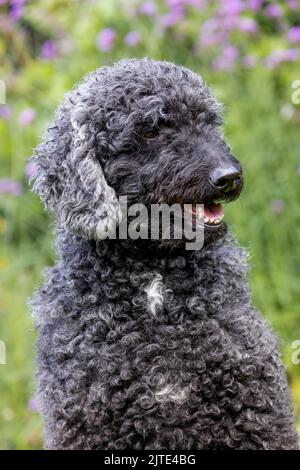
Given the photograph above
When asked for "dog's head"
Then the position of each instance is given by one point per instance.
(143, 129)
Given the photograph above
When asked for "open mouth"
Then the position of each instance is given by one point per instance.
(212, 215)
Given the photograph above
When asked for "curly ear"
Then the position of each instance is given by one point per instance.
(69, 176)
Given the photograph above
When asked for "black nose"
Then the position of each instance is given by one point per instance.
(226, 178)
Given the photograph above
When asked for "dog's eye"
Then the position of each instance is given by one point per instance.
(151, 134)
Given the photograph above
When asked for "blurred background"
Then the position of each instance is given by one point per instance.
(247, 50)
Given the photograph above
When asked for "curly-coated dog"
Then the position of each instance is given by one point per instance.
(142, 343)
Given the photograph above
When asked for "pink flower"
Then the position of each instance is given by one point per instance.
(210, 25)
(5, 112)
(231, 7)
(17, 9)
(106, 39)
(294, 34)
(281, 55)
(255, 5)
(33, 405)
(172, 18)
(210, 39)
(148, 8)
(248, 25)
(133, 39)
(227, 60)
(49, 50)
(212, 33)
(27, 116)
(230, 53)
(30, 169)
(230, 22)
(274, 11)
(9, 186)
(293, 4)
(174, 3)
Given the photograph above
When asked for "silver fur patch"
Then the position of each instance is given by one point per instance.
(155, 294)
(103, 201)
(171, 392)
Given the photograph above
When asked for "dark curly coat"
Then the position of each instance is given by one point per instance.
(146, 345)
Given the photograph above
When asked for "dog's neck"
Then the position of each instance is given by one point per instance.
(143, 251)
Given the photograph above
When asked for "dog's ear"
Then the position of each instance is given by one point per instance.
(69, 177)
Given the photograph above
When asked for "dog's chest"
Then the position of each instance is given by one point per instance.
(157, 331)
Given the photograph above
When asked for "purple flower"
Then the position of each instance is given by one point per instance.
(106, 39)
(231, 7)
(277, 206)
(210, 39)
(248, 25)
(9, 186)
(255, 5)
(17, 9)
(229, 22)
(281, 55)
(133, 39)
(172, 18)
(18, 3)
(148, 8)
(27, 116)
(175, 4)
(293, 4)
(249, 61)
(5, 112)
(30, 169)
(227, 60)
(210, 26)
(294, 34)
(49, 50)
(16, 12)
(274, 11)
(33, 405)
(230, 53)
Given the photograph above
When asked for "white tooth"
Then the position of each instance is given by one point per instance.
(200, 213)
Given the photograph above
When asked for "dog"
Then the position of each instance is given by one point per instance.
(142, 343)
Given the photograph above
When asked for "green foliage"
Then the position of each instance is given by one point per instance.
(262, 126)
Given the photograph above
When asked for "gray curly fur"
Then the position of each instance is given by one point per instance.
(141, 345)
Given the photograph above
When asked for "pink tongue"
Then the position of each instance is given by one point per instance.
(214, 211)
